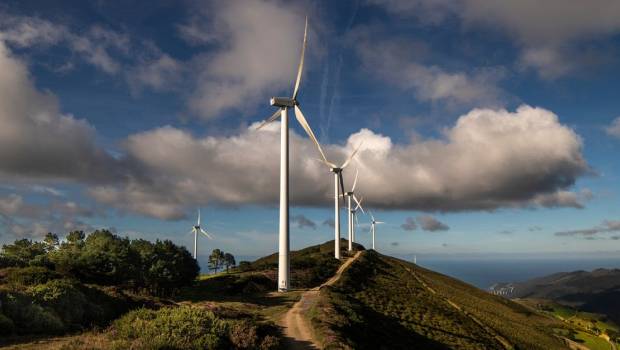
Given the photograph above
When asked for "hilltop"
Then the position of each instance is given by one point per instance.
(382, 302)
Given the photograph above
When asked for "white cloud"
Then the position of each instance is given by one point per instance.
(257, 52)
(398, 61)
(549, 32)
(489, 159)
(36, 139)
(614, 128)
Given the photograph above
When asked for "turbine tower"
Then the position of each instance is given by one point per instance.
(373, 223)
(354, 215)
(195, 230)
(283, 104)
(338, 186)
(351, 195)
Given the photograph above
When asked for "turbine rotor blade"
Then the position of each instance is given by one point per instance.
(357, 172)
(346, 163)
(371, 216)
(304, 124)
(356, 222)
(198, 217)
(359, 203)
(191, 231)
(379, 222)
(273, 117)
(301, 62)
(206, 234)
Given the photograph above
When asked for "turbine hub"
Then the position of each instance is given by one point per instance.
(283, 102)
(336, 170)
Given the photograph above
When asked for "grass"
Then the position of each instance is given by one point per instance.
(593, 342)
(379, 303)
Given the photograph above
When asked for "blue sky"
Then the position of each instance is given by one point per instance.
(492, 127)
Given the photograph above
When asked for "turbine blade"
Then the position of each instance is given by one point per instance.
(328, 163)
(357, 172)
(346, 163)
(355, 216)
(191, 231)
(371, 216)
(379, 222)
(359, 203)
(301, 62)
(198, 217)
(273, 117)
(304, 124)
(206, 234)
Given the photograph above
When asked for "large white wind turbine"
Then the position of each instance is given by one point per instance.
(284, 103)
(338, 185)
(195, 230)
(373, 223)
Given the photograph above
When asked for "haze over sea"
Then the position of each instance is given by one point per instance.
(484, 272)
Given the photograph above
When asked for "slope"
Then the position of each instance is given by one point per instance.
(385, 303)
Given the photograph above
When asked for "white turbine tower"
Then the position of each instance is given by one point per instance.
(284, 103)
(351, 195)
(338, 186)
(373, 223)
(195, 230)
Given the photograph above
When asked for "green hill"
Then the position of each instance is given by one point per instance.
(382, 302)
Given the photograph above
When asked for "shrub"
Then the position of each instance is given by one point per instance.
(171, 328)
(29, 276)
(68, 302)
(29, 318)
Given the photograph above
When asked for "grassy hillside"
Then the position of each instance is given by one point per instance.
(386, 303)
(597, 291)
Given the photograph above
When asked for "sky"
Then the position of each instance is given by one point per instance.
(486, 128)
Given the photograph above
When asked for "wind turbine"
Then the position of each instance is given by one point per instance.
(354, 215)
(283, 104)
(195, 230)
(351, 195)
(338, 185)
(372, 227)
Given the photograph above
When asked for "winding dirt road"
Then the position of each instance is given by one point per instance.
(297, 331)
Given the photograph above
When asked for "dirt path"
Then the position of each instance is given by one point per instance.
(297, 332)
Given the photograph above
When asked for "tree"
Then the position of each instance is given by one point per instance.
(216, 259)
(229, 261)
(24, 252)
(51, 241)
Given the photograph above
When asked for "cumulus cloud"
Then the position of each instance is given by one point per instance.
(409, 224)
(429, 223)
(398, 61)
(549, 33)
(22, 219)
(614, 128)
(605, 227)
(38, 141)
(489, 159)
(257, 47)
(301, 221)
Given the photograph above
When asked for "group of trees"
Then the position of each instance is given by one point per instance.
(104, 258)
(219, 259)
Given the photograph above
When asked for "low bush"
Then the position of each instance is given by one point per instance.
(6, 325)
(189, 328)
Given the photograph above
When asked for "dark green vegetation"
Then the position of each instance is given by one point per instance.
(596, 292)
(50, 287)
(219, 259)
(385, 303)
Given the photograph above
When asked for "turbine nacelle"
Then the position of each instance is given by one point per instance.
(283, 102)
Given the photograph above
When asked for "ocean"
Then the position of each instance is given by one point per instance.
(483, 273)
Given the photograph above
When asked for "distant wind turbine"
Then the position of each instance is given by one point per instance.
(283, 104)
(195, 230)
(351, 195)
(354, 215)
(373, 223)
